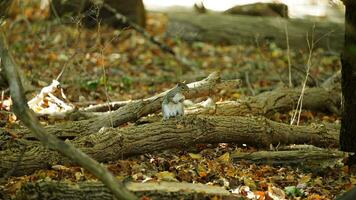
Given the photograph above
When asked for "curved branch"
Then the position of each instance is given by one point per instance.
(27, 117)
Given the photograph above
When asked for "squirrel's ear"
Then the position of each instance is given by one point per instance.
(181, 84)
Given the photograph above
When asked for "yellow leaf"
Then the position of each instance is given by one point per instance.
(225, 157)
(195, 156)
(250, 183)
(166, 176)
(353, 180)
(305, 179)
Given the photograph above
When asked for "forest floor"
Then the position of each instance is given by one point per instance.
(104, 65)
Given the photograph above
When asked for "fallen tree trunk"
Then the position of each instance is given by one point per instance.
(324, 98)
(135, 110)
(267, 103)
(96, 191)
(117, 143)
(279, 100)
(237, 29)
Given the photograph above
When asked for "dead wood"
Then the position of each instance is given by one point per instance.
(324, 98)
(106, 106)
(219, 28)
(306, 157)
(136, 109)
(279, 100)
(96, 191)
(27, 117)
(117, 143)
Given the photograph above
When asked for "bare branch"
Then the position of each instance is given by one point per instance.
(28, 118)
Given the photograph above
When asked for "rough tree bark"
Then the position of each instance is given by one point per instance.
(324, 98)
(117, 143)
(348, 72)
(96, 191)
(137, 109)
(266, 103)
(297, 157)
(279, 100)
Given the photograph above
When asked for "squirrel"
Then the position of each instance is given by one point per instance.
(172, 104)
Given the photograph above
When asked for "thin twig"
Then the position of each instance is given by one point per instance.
(288, 55)
(249, 84)
(300, 100)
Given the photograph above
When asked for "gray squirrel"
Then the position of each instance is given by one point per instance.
(172, 104)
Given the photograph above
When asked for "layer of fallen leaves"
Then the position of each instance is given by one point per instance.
(106, 64)
(212, 166)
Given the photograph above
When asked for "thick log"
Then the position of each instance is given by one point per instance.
(117, 143)
(238, 29)
(96, 191)
(325, 98)
(265, 104)
(279, 100)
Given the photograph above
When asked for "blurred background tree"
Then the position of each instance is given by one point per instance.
(133, 10)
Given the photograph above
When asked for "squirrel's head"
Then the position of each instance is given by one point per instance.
(183, 86)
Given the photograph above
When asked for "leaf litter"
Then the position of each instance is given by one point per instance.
(122, 65)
